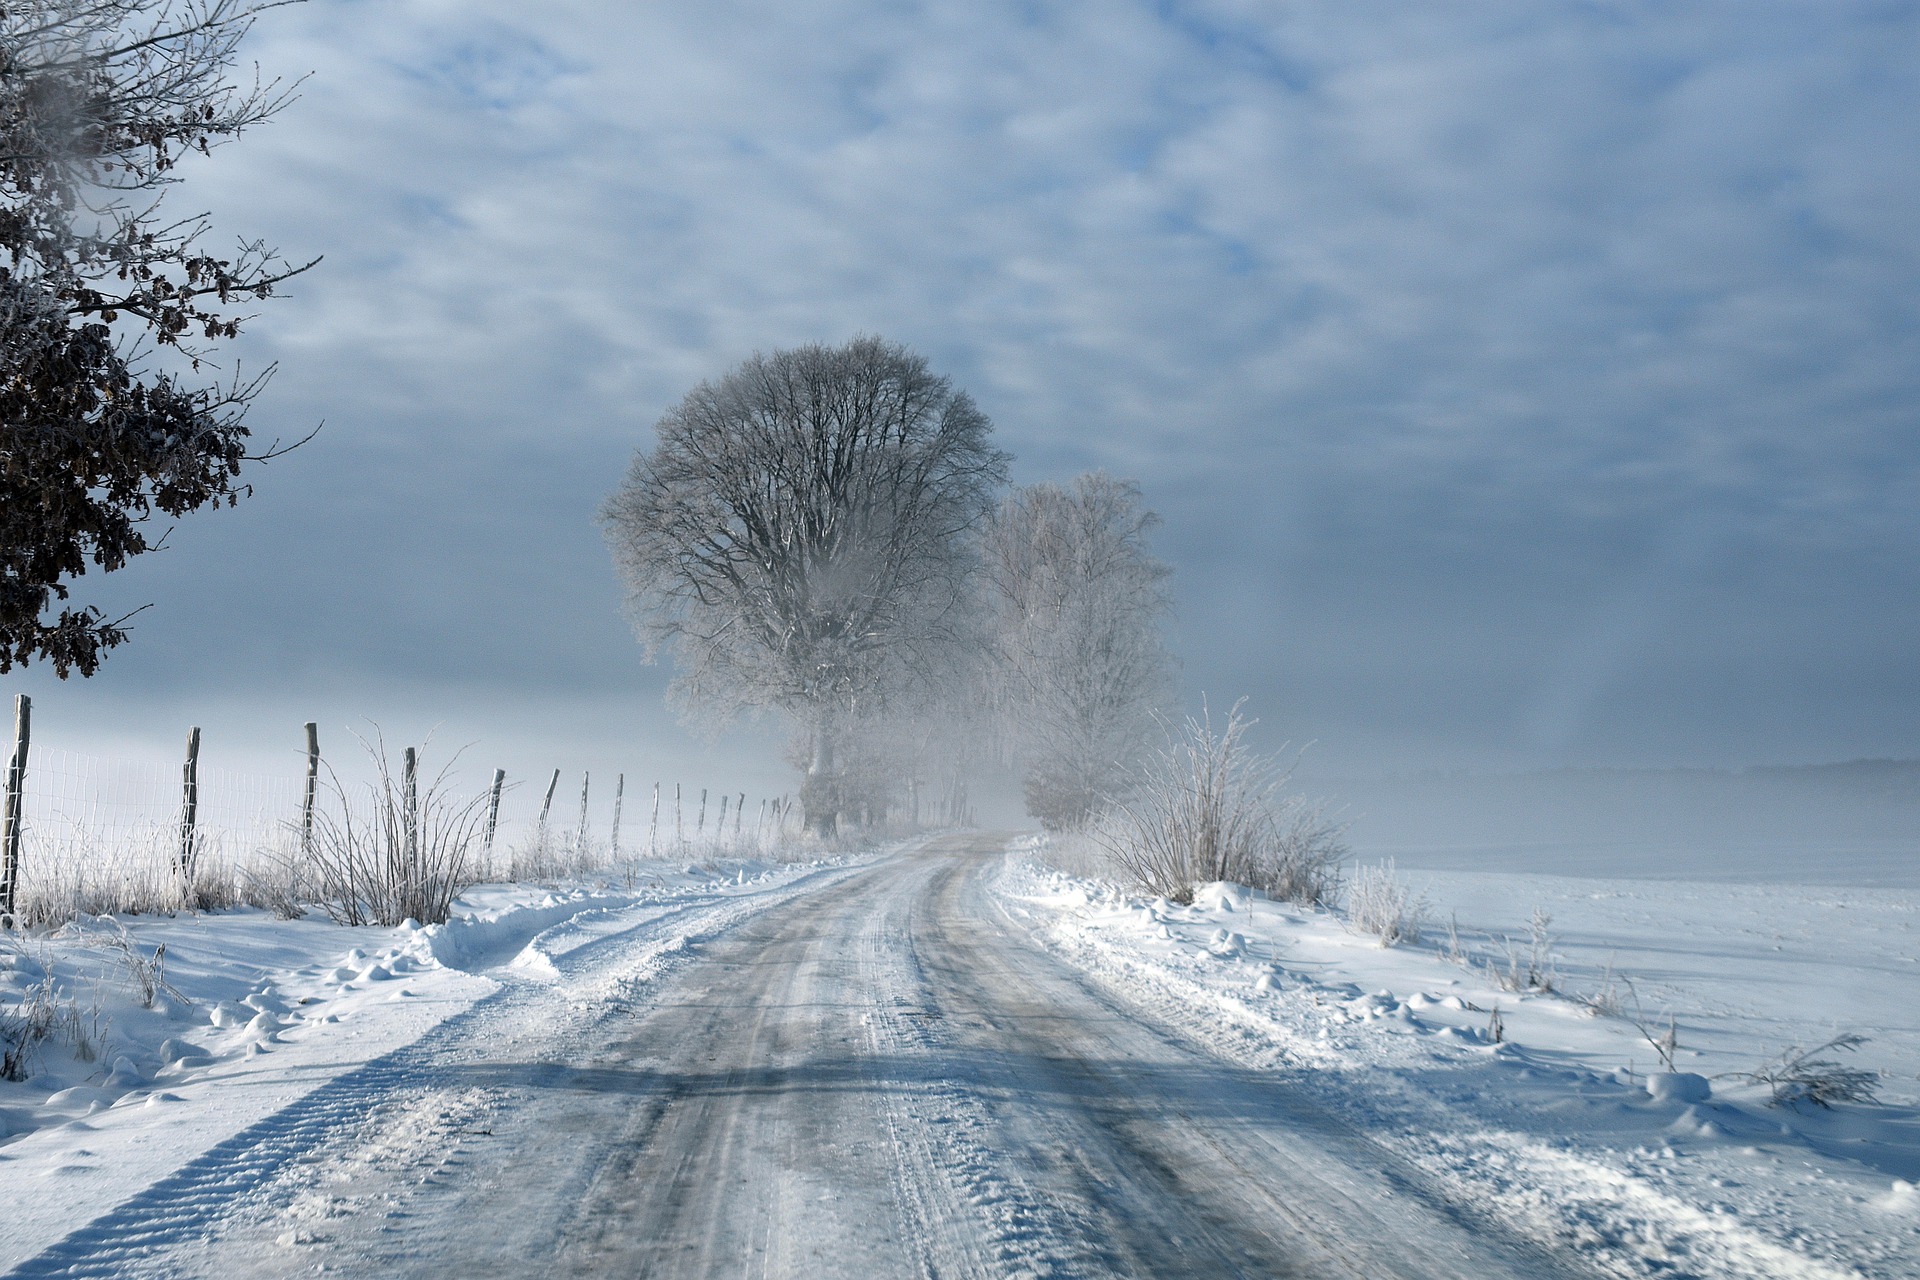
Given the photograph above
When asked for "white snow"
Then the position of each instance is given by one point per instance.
(1569, 1128)
(256, 1013)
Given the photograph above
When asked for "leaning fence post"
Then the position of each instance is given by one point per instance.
(619, 789)
(16, 803)
(493, 806)
(189, 804)
(737, 811)
(313, 783)
(547, 805)
(580, 835)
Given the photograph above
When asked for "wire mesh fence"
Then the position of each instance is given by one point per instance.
(76, 799)
(97, 834)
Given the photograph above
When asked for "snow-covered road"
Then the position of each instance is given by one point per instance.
(871, 1073)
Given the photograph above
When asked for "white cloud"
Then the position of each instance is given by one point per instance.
(1392, 282)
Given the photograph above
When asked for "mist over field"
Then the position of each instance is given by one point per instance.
(1855, 823)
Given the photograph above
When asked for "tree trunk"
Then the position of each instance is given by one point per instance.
(820, 795)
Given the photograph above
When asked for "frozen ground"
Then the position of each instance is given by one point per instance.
(1554, 1131)
(863, 1071)
(949, 1061)
(263, 1032)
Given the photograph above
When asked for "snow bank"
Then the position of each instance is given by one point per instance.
(1560, 1121)
(143, 1066)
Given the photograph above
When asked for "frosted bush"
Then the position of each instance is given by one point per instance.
(137, 873)
(1380, 903)
(393, 850)
(1209, 808)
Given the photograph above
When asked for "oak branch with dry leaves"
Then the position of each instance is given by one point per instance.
(110, 407)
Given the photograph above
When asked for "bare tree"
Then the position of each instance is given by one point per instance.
(99, 99)
(799, 535)
(1079, 668)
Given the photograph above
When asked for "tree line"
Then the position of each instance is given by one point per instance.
(827, 533)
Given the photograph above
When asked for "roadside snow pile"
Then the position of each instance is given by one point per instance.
(129, 1045)
(1551, 1108)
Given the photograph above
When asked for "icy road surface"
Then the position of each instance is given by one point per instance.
(880, 1076)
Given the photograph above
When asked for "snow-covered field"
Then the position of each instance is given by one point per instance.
(196, 1092)
(143, 1069)
(1567, 1128)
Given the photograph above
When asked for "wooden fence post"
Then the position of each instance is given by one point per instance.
(16, 803)
(410, 812)
(679, 829)
(720, 829)
(653, 832)
(547, 805)
(737, 811)
(313, 785)
(619, 790)
(580, 833)
(700, 827)
(189, 804)
(493, 807)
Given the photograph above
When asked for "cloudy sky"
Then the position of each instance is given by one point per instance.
(1522, 384)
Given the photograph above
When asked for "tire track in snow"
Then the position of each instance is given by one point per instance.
(880, 1080)
(1132, 1155)
(946, 1172)
(234, 1176)
(1621, 1226)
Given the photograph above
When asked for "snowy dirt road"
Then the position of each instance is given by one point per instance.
(876, 1075)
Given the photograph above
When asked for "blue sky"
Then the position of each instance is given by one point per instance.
(1522, 384)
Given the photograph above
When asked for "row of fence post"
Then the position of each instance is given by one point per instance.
(728, 803)
(186, 851)
(14, 804)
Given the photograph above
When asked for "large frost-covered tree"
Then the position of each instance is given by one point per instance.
(98, 101)
(800, 536)
(1079, 667)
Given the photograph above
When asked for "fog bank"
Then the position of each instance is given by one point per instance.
(1854, 823)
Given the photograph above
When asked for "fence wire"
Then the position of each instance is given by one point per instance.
(74, 802)
(105, 833)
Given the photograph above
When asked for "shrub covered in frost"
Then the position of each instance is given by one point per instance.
(1382, 904)
(1210, 808)
(394, 850)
